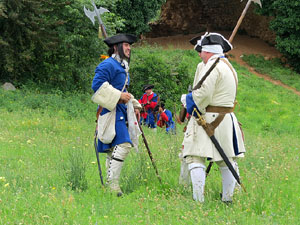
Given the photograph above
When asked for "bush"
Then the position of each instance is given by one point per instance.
(170, 71)
(286, 24)
(141, 13)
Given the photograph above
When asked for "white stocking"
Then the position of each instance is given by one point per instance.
(198, 175)
(228, 182)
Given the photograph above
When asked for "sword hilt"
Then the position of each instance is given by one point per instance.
(200, 120)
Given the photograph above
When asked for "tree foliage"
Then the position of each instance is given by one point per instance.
(50, 42)
(23, 35)
(286, 25)
(171, 72)
(137, 14)
(54, 44)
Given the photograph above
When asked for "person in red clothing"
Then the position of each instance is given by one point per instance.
(148, 101)
(165, 118)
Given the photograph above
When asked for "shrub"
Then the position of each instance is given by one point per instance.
(141, 13)
(170, 71)
(286, 24)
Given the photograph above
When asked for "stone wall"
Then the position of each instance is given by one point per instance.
(196, 16)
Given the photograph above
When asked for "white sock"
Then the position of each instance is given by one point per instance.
(228, 182)
(198, 175)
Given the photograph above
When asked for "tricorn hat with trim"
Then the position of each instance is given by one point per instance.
(211, 39)
(147, 87)
(119, 38)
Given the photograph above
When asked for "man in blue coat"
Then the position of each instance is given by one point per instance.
(110, 86)
(149, 102)
(165, 118)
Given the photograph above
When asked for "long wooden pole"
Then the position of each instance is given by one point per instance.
(230, 40)
(149, 153)
(240, 21)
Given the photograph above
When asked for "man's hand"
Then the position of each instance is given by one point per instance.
(160, 110)
(125, 97)
(137, 114)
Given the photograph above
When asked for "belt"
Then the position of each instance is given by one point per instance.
(219, 109)
(210, 127)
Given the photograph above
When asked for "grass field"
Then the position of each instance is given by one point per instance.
(46, 152)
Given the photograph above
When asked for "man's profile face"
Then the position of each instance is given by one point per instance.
(205, 56)
(148, 92)
(126, 49)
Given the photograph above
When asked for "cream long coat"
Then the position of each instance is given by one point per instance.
(219, 89)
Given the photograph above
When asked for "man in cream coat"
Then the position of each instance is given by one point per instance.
(110, 85)
(215, 96)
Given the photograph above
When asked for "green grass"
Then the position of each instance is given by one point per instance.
(42, 134)
(274, 69)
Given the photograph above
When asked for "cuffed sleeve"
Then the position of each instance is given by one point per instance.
(107, 96)
(136, 103)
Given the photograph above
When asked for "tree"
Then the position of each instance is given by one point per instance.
(137, 14)
(23, 35)
(50, 42)
(286, 25)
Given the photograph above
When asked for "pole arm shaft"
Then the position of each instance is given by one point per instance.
(101, 25)
(240, 21)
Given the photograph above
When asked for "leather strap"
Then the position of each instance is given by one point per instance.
(198, 85)
(219, 109)
(210, 127)
(233, 72)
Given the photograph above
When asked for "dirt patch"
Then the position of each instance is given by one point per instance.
(242, 44)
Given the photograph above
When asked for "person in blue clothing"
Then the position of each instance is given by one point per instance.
(110, 86)
(149, 102)
(165, 118)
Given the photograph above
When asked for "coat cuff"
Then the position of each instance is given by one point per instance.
(136, 103)
(107, 96)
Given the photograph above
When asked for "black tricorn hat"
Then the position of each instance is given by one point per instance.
(119, 38)
(211, 39)
(147, 87)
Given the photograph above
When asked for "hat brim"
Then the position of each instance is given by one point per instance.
(119, 38)
(147, 87)
(212, 39)
(216, 39)
(194, 40)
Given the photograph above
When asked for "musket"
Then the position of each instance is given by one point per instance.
(175, 118)
(149, 153)
(201, 121)
(97, 156)
(97, 12)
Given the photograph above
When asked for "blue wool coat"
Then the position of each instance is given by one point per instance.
(111, 71)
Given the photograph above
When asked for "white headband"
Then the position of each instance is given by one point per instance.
(216, 49)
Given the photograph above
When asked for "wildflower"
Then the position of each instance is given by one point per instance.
(6, 185)
(2, 179)
(29, 141)
(93, 162)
